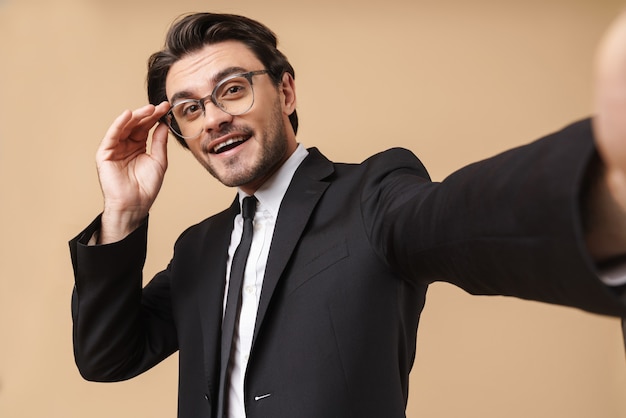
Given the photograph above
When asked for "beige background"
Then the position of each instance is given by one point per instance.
(453, 80)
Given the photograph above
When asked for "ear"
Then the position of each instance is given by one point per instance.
(288, 89)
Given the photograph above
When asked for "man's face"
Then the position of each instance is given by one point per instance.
(261, 138)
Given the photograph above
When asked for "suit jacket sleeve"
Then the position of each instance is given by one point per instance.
(119, 330)
(509, 225)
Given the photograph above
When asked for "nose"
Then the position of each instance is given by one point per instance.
(214, 117)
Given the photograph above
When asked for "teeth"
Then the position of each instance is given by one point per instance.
(227, 143)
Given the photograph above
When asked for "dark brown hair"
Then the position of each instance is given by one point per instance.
(192, 32)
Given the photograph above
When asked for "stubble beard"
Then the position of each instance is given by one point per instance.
(238, 171)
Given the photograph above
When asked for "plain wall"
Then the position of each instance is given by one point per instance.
(453, 80)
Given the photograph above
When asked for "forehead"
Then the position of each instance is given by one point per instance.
(200, 70)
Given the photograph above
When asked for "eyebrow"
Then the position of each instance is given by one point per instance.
(219, 76)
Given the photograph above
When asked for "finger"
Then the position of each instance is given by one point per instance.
(113, 134)
(125, 122)
(130, 127)
(159, 145)
(140, 123)
(148, 121)
(117, 135)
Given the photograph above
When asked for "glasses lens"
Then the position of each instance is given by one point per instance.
(234, 95)
(185, 118)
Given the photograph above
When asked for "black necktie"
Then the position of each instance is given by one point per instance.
(233, 301)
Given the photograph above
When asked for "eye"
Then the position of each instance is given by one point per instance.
(188, 110)
(233, 89)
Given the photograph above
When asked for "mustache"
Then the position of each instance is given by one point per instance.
(227, 129)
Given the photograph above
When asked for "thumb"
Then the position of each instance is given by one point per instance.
(158, 147)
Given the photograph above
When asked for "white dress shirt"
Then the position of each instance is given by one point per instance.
(269, 198)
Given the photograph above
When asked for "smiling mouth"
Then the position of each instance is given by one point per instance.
(229, 144)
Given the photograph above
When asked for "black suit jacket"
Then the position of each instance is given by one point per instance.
(354, 250)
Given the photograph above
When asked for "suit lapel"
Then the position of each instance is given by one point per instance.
(303, 194)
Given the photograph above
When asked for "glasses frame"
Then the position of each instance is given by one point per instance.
(171, 120)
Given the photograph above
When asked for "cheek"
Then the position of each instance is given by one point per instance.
(196, 150)
(265, 127)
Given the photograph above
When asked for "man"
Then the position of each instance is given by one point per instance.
(324, 321)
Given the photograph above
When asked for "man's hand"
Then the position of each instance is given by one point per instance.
(606, 232)
(130, 177)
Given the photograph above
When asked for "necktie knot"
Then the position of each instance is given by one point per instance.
(248, 207)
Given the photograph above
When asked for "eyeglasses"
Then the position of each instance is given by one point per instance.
(233, 95)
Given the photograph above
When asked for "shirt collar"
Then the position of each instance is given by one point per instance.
(271, 193)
